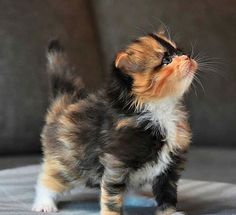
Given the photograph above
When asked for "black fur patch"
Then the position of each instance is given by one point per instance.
(119, 91)
(55, 46)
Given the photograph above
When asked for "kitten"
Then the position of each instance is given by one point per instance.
(131, 133)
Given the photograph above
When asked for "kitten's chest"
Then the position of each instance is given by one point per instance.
(146, 174)
(164, 119)
(151, 169)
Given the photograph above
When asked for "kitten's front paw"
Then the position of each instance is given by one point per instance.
(170, 211)
(178, 213)
(47, 206)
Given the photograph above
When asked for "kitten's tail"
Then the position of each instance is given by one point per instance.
(62, 76)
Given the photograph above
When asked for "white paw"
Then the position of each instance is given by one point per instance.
(47, 206)
(178, 213)
(44, 199)
(170, 211)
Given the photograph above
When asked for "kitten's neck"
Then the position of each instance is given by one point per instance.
(162, 105)
(160, 115)
(119, 86)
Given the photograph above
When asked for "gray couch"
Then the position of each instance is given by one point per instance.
(93, 31)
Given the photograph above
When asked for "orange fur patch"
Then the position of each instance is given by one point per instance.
(183, 138)
(50, 178)
(58, 106)
(124, 123)
(106, 198)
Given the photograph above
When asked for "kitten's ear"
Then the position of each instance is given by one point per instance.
(124, 62)
(121, 59)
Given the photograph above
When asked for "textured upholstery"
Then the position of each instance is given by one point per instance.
(195, 197)
(210, 27)
(26, 26)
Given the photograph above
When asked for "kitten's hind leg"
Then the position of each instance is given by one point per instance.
(48, 188)
(113, 185)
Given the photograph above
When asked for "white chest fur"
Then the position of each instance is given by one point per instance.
(164, 115)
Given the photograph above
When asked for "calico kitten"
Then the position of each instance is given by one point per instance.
(131, 133)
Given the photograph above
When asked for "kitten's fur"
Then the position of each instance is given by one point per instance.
(132, 132)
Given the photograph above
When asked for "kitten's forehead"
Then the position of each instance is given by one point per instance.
(167, 45)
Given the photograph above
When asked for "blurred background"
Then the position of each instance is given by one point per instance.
(92, 31)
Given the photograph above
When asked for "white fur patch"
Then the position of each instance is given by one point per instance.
(45, 199)
(164, 115)
(146, 174)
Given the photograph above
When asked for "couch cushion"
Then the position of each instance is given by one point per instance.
(195, 197)
(24, 35)
(212, 114)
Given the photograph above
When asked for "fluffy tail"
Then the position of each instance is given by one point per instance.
(62, 76)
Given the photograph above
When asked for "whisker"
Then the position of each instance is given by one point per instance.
(141, 30)
(164, 26)
(193, 46)
(208, 60)
(208, 71)
(193, 86)
(192, 51)
(208, 64)
(153, 28)
(200, 83)
(177, 36)
(211, 65)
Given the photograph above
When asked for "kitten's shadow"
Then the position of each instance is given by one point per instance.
(89, 202)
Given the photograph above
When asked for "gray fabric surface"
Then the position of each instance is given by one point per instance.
(26, 26)
(195, 197)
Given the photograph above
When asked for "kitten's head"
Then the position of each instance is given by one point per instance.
(157, 68)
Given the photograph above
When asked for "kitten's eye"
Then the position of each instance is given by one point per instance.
(166, 60)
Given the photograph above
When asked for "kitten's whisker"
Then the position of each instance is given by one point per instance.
(176, 36)
(200, 83)
(210, 70)
(206, 60)
(191, 55)
(141, 30)
(209, 67)
(204, 56)
(163, 25)
(193, 46)
(194, 88)
(212, 58)
(216, 65)
(152, 26)
(196, 56)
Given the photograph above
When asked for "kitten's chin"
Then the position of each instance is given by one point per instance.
(190, 69)
(187, 77)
